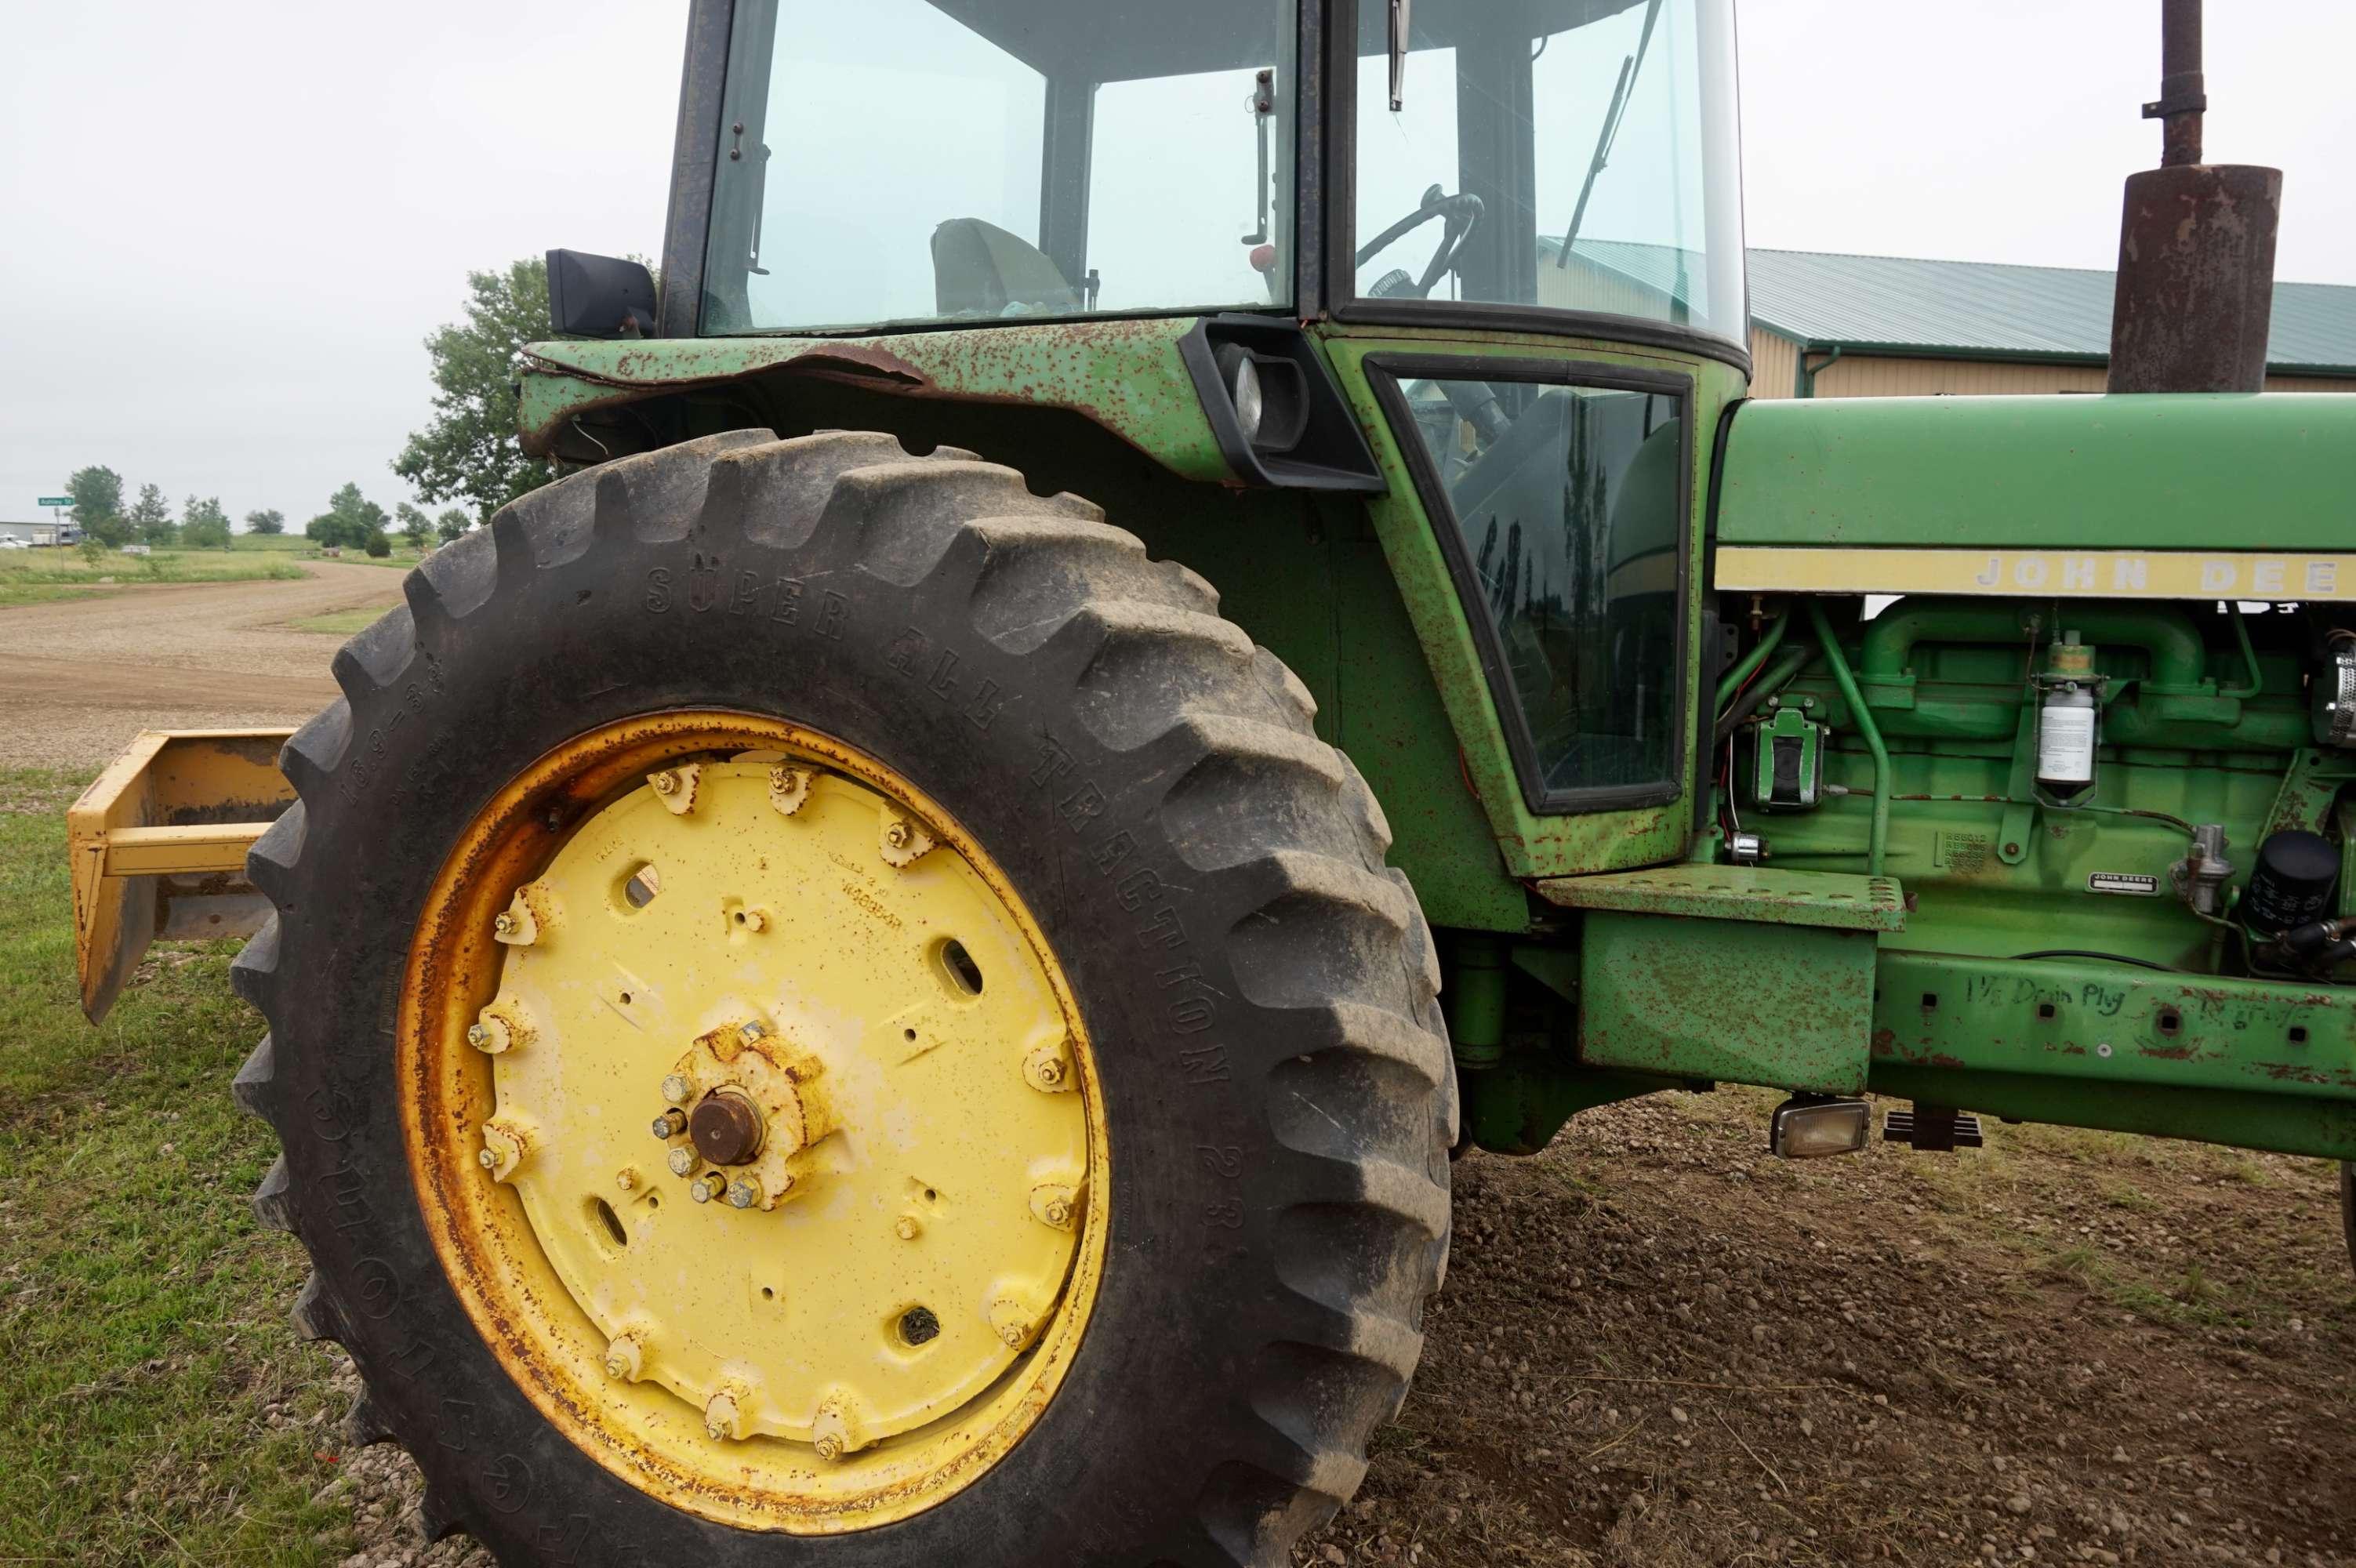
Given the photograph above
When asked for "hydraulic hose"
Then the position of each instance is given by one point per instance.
(1795, 660)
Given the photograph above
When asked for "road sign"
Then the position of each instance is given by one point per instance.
(55, 500)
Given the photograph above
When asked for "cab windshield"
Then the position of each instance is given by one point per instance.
(910, 162)
(1577, 154)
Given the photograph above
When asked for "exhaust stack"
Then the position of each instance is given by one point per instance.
(2196, 246)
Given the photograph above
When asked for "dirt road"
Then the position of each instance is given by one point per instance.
(79, 678)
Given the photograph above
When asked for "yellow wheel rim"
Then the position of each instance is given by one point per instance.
(755, 1122)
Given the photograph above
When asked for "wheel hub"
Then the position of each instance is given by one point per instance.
(857, 1226)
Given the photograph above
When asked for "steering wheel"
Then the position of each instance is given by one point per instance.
(1461, 218)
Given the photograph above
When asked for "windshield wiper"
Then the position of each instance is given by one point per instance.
(1399, 54)
(1609, 133)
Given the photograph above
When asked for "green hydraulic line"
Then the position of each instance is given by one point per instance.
(1751, 661)
(2249, 658)
(1880, 841)
(1781, 675)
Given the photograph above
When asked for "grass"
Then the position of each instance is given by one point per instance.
(342, 623)
(43, 577)
(155, 1405)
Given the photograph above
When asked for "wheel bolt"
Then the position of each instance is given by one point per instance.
(504, 925)
(627, 1179)
(1057, 1212)
(832, 1434)
(683, 1160)
(1050, 1071)
(676, 1088)
(665, 782)
(907, 1230)
(671, 1124)
(703, 1189)
(742, 1194)
(479, 1037)
(485, 1158)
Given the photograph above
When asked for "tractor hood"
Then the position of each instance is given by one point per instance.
(2160, 495)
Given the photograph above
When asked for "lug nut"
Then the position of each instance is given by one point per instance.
(755, 1030)
(683, 1160)
(703, 1189)
(896, 835)
(671, 1124)
(907, 1230)
(720, 1415)
(665, 782)
(488, 1159)
(1048, 1067)
(676, 1088)
(479, 1037)
(831, 1433)
(626, 1178)
(505, 925)
(625, 1357)
(752, 920)
(1056, 1212)
(742, 1194)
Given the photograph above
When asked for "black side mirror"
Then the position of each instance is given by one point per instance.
(599, 296)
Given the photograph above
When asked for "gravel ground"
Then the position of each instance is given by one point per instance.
(1661, 1348)
(79, 678)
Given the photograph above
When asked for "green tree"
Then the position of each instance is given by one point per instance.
(453, 523)
(150, 518)
(469, 452)
(379, 544)
(415, 526)
(97, 505)
(203, 524)
(350, 521)
(271, 521)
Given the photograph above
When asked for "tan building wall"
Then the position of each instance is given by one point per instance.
(1773, 370)
(1774, 360)
(1583, 285)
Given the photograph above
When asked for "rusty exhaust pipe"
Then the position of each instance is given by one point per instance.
(2196, 276)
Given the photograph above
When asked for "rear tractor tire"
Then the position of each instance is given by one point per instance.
(825, 1010)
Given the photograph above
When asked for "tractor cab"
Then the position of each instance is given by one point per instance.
(1030, 159)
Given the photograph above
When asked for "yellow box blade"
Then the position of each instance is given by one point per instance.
(158, 847)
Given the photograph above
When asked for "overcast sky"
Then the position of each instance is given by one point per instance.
(225, 229)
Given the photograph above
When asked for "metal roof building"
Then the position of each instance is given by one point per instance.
(1838, 326)
(1825, 325)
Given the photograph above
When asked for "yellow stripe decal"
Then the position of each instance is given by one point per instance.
(2082, 574)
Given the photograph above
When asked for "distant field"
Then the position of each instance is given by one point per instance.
(296, 545)
(33, 576)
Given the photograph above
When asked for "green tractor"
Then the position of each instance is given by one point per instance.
(835, 1003)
